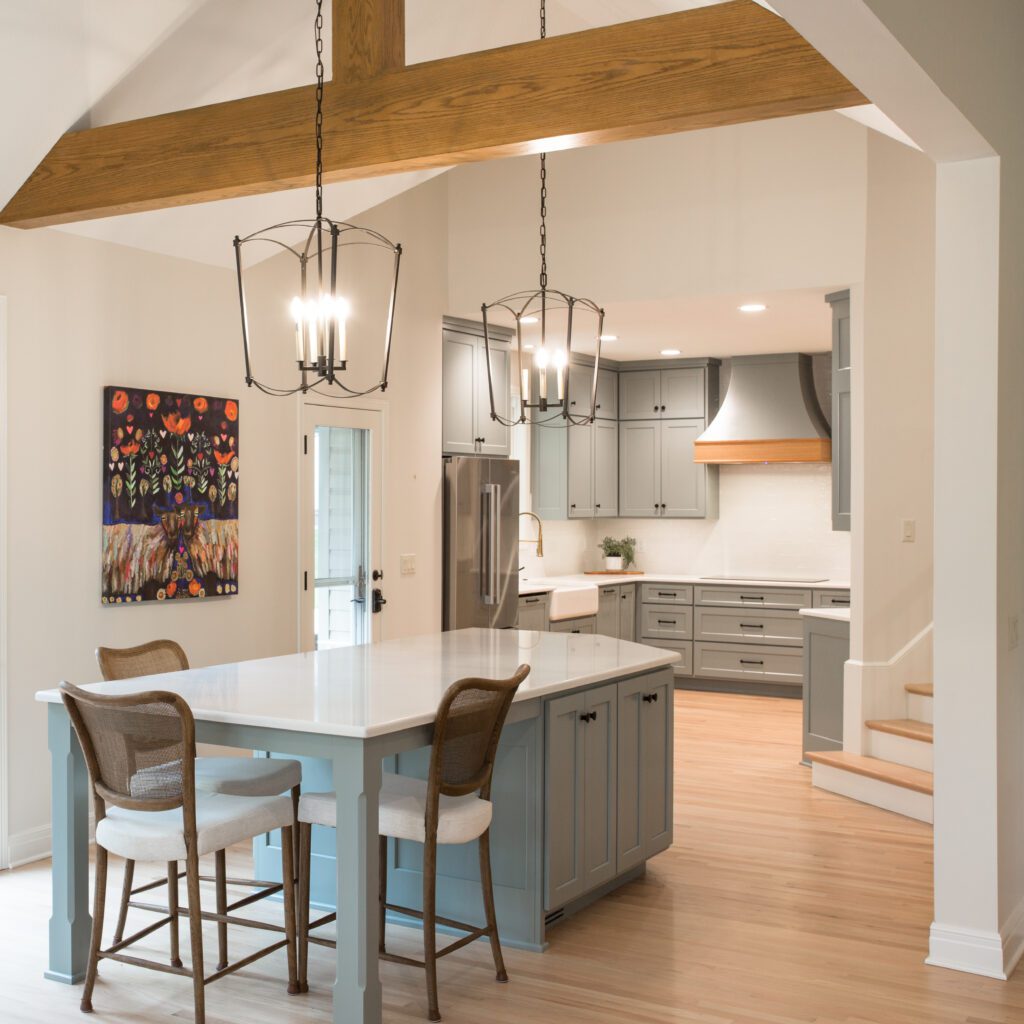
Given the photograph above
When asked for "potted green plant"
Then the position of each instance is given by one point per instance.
(618, 554)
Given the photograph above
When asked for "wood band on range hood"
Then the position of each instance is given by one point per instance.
(792, 449)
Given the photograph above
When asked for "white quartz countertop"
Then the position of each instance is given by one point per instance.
(375, 689)
(836, 614)
(545, 584)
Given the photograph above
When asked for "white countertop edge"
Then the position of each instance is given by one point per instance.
(835, 614)
(658, 658)
(546, 584)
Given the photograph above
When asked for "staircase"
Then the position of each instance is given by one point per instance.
(896, 771)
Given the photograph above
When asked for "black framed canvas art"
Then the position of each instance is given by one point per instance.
(170, 496)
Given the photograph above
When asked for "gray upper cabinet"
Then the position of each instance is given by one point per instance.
(607, 395)
(682, 480)
(466, 424)
(458, 386)
(639, 467)
(682, 393)
(605, 441)
(639, 394)
(581, 470)
(841, 470)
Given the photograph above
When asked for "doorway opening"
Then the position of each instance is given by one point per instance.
(340, 532)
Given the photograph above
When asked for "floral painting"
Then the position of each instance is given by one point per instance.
(170, 496)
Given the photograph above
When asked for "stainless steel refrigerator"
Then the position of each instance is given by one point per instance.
(481, 542)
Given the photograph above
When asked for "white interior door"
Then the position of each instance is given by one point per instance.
(340, 525)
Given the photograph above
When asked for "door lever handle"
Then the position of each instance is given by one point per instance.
(378, 600)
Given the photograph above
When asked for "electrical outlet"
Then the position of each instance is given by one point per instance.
(908, 531)
(407, 565)
(1014, 632)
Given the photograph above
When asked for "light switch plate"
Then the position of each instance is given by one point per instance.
(407, 565)
(908, 531)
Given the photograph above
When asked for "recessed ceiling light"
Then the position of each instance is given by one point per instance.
(753, 307)
(528, 320)
(670, 351)
(609, 337)
(528, 348)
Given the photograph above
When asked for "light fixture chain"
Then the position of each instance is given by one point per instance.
(543, 178)
(318, 34)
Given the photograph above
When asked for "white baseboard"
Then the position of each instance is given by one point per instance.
(990, 954)
(897, 799)
(30, 845)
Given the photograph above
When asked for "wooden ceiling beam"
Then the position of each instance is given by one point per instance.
(703, 68)
(368, 38)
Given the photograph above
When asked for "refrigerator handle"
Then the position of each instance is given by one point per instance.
(488, 544)
(495, 557)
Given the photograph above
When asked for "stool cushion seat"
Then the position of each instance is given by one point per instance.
(247, 776)
(403, 808)
(221, 821)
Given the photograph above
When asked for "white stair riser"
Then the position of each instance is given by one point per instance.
(907, 802)
(912, 753)
(920, 708)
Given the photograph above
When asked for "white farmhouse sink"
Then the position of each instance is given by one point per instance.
(572, 602)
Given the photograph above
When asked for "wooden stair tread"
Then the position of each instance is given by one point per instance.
(875, 768)
(910, 728)
(920, 689)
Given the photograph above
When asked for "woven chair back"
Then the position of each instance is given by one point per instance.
(150, 659)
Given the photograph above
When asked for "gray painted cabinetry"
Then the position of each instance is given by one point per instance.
(466, 424)
(841, 355)
(533, 612)
(608, 783)
(826, 650)
(587, 624)
(616, 611)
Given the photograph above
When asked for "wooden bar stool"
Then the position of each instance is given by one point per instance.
(452, 806)
(230, 776)
(141, 753)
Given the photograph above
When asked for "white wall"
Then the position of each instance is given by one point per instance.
(84, 314)
(756, 207)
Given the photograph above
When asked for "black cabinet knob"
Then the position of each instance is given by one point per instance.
(663, 408)
(650, 698)
(655, 408)
(590, 716)
(663, 504)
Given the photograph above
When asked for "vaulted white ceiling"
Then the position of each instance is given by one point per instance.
(80, 63)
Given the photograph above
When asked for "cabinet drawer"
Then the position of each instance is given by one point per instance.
(753, 597)
(533, 612)
(753, 626)
(666, 593)
(748, 661)
(831, 599)
(683, 667)
(585, 625)
(666, 622)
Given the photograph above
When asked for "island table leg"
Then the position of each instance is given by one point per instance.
(357, 778)
(71, 922)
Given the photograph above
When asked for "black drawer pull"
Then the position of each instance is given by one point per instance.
(650, 698)
(531, 600)
(748, 597)
(667, 622)
(751, 625)
(750, 661)
(590, 716)
(668, 593)
(839, 600)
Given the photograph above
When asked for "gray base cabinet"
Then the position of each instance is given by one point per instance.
(608, 784)
(645, 788)
(627, 612)
(533, 612)
(826, 651)
(587, 624)
(616, 611)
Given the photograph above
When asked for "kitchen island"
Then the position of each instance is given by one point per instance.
(582, 788)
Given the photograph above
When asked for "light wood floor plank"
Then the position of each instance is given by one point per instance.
(778, 904)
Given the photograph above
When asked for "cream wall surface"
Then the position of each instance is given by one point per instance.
(83, 314)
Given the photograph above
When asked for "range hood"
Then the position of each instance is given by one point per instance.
(770, 414)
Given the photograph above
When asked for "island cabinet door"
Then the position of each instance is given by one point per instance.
(644, 769)
(600, 786)
(564, 799)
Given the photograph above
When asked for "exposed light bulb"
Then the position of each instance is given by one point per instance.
(753, 307)
(542, 358)
(558, 360)
(528, 320)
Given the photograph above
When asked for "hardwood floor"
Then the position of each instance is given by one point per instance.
(778, 904)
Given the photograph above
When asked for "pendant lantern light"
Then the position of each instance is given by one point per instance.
(542, 361)
(320, 310)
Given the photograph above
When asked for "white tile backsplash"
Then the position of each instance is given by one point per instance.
(773, 520)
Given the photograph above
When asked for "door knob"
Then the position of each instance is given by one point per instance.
(378, 600)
